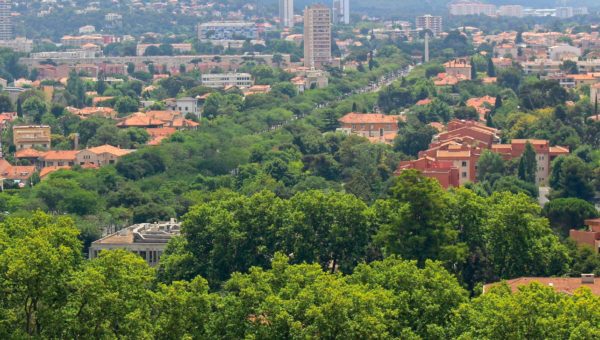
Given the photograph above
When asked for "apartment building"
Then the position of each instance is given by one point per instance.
(227, 30)
(430, 22)
(31, 136)
(286, 13)
(147, 240)
(341, 12)
(511, 11)
(317, 36)
(460, 67)
(472, 8)
(221, 80)
(6, 28)
(590, 236)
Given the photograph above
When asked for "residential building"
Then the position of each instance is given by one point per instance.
(430, 22)
(148, 240)
(382, 128)
(100, 155)
(57, 158)
(541, 66)
(476, 133)
(187, 105)
(78, 41)
(472, 8)
(181, 48)
(87, 29)
(564, 52)
(221, 80)
(6, 28)
(286, 13)
(511, 11)
(317, 36)
(19, 174)
(460, 67)
(564, 12)
(31, 136)
(19, 44)
(565, 285)
(86, 112)
(341, 12)
(590, 236)
(545, 154)
(227, 30)
(445, 172)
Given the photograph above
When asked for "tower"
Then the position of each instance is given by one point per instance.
(286, 13)
(317, 36)
(5, 20)
(426, 46)
(341, 12)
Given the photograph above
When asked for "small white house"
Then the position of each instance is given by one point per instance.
(187, 105)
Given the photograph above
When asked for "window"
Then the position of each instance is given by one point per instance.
(464, 174)
(464, 163)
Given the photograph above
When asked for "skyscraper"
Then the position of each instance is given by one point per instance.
(5, 21)
(341, 11)
(317, 36)
(430, 22)
(286, 13)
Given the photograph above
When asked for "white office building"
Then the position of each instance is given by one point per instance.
(221, 80)
(286, 13)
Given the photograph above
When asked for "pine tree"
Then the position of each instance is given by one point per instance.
(498, 103)
(528, 164)
(491, 71)
(354, 107)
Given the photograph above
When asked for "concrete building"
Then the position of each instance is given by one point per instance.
(31, 136)
(460, 67)
(187, 105)
(317, 36)
(511, 11)
(227, 30)
(18, 44)
(472, 8)
(6, 28)
(564, 52)
(444, 172)
(430, 22)
(286, 13)
(375, 126)
(341, 12)
(148, 240)
(221, 80)
(79, 41)
(564, 12)
(100, 155)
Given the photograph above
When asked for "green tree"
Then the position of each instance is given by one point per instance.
(568, 213)
(491, 69)
(571, 177)
(490, 166)
(527, 169)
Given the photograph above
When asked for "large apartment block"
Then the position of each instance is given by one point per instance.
(317, 36)
(227, 30)
(286, 13)
(472, 8)
(6, 30)
(31, 136)
(221, 80)
(430, 22)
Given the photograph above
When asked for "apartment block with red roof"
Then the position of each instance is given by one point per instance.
(590, 237)
(474, 133)
(57, 158)
(445, 172)
(460, 68)
(545, 154)
(371, 125)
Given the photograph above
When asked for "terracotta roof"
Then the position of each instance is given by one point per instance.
(137, 120)
(50, 169)
(531, 141)
(18, 172)
(423, 102)
(369, 118)
(453, 154)
(567, 285)
(109, 149)
(29, 153)
(59, 155)
(163, 131)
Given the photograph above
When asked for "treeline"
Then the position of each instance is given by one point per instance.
(49, 291)
(478, 239)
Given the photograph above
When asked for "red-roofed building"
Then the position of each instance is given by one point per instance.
(58, 158)
(370, 124)
(482, 105)
(445, 172)
(460, 67)
(590, 237)
(479, 134)
(565, 285)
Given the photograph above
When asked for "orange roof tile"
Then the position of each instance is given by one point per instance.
(29, 153)
(369, 118)
(59, 155)
(566, 285)
(109, 149)
(50, 169)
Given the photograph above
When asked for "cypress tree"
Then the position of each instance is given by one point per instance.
(491, 70)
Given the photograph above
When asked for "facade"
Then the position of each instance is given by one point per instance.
(460, 67)
(227, 30)
(221, 80)
(6, 29)
(58, 158)
(100, 155)
(564, 52)
(375, 126)
(148, 240)
(341, 12)
(542, 66)
(445, 172)
(430, 22)
(511, 11)
(317, 36)
(286, 13)
(589, 237)
(79, 41)
(31, 136)
(18, 44)
(185, 48)
(187, 105)
(472, 8)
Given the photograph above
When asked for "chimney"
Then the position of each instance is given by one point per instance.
(587, 278)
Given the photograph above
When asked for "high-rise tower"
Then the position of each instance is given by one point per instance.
(317, 36)
(6, 31)
(286, 13)
(341, 12)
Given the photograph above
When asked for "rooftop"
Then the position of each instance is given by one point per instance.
(369, 118)
(567, 285)
(149, 233)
